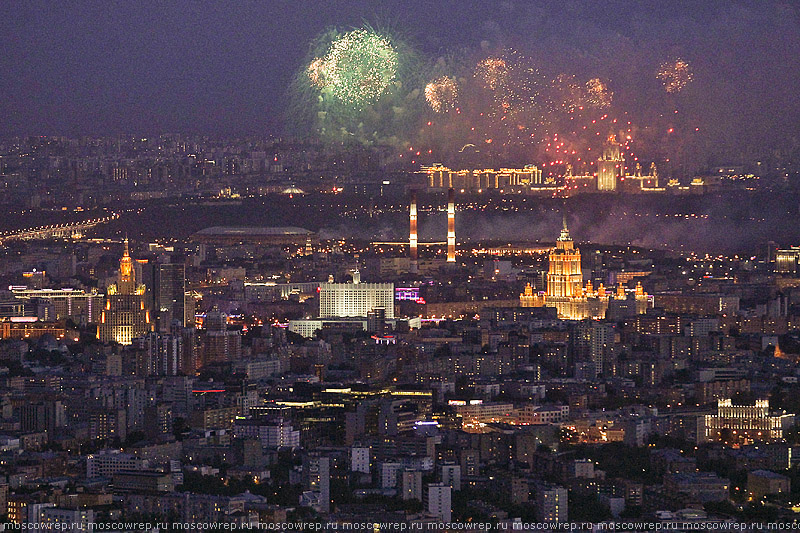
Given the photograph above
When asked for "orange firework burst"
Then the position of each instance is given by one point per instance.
(598, 94)
(675, 75)
(571, 95)
(441, 94)
(316, 72)
(493, 71)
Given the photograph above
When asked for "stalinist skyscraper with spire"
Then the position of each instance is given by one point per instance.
(564, 277)
(610, 166)
(125, 315)
(566, 291)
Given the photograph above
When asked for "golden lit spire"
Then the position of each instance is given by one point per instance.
(564, 230)
(779, 353)
(125, 263)
(601, 291)
(127, 277)
(639, 290)
(620, 292)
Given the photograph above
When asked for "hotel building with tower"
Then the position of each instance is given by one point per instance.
(566, 291)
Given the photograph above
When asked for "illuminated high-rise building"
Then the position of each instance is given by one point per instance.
(566, 291)
(166, 284)
(218, 343)
(337, 300)
(482, 179)
(125, 315)
(158, 354)
(440, 501)
(639, 182)
(564, 276)
(78, 305)
(787, 261)
(609, 166)
(552, 504)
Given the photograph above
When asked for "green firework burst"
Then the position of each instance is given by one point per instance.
(357, 69)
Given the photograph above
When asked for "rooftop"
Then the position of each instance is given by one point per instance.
(767, 474)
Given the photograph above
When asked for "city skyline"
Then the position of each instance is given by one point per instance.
(436, 266)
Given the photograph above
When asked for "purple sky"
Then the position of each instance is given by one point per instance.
(71, 68)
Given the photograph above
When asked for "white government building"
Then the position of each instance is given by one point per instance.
(339, 300)
(348, 302)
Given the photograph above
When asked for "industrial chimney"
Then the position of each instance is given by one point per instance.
(412, 235)
(451, 226)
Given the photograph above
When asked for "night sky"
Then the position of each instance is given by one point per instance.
(223, 68)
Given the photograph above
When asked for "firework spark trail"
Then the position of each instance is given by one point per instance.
(368, 87)
(441, 94)
(358, 68)
(675, 75)
(598, 93)
(493, 71)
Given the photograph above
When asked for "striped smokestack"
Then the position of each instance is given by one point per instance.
(412, 235)
(451, 226)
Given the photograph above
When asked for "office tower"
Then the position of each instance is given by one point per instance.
(411, 484)
(168, 294)
(376, 321)
(439, 501)
(451, 226)
(219, 344)
(551, 504)
(125, 315)
(451, 475)
(42, 416)
(317, 479)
